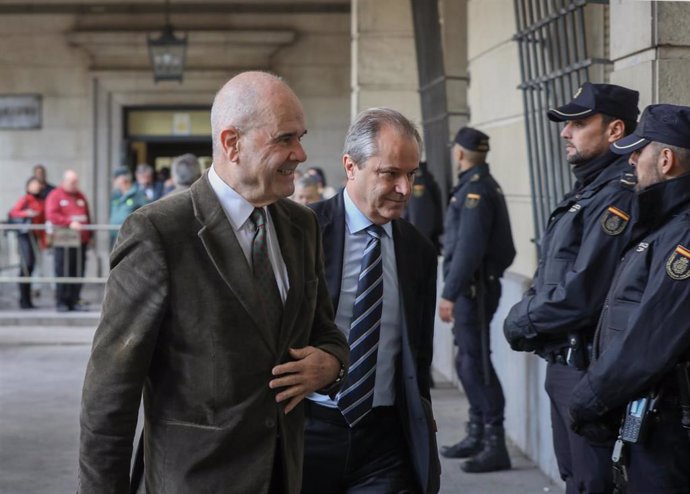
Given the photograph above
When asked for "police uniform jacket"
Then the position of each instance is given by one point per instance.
(644, 327)
(425, 209)
(477, 232)
(579, 252)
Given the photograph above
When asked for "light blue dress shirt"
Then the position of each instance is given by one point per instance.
(237, 209)
(356, 239)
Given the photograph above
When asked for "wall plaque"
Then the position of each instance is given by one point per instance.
(20, 111)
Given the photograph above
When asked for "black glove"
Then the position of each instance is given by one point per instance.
(525, 345)
(596, 429)
(595, 432)
(518, 340)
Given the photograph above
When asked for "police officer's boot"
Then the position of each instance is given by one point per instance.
(493, 456)
(470, 446)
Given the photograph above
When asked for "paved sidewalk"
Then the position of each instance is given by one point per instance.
(41, 374)
(450, 410)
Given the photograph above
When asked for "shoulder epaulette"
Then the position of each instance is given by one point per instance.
(629, 180)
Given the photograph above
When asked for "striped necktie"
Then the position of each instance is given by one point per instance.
(357, 395)
(264, 277)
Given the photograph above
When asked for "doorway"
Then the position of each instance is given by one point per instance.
(157, 134)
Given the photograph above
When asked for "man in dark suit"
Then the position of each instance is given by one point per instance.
(217, 307)
(378, 434)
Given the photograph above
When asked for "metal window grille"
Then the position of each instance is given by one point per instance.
(551, 35)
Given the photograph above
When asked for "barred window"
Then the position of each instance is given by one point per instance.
(554, 62)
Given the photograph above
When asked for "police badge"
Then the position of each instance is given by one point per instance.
(614, 221)
(472, 200)
(678, 264)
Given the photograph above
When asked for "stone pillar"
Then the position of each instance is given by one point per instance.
(384, 67)
(453, 17)
(650, 49)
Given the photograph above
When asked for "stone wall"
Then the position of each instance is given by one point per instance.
(35, 58)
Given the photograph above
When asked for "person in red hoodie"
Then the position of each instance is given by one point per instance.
(66, 207)
(30, 208)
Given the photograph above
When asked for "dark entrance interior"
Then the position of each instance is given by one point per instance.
(157, 134)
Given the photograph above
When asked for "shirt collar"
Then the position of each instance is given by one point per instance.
(356, 221)
(236, 207)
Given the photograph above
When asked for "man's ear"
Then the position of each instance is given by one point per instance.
(349, 166)
(616, 130)
(668, 163)
(230, 143)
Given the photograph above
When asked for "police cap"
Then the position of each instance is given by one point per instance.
(668, 124)
(609, 99)
(472, 139)
(120, 171)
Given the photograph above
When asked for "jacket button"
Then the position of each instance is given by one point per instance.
(270, 423)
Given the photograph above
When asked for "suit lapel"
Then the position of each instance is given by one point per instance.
(225, 253)
(405, 263)
(290, 239)
(333, 235)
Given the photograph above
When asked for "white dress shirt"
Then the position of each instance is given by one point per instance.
(356, 239)
(238, 209)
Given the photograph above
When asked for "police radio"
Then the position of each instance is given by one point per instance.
(637, 417)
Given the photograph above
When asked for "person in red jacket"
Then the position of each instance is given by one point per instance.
(66, 207)
(30, 208)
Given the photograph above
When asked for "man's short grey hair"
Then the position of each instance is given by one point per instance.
(681, 154)
(144, 168)
(308, 181)
(361, 139)
(185, 170)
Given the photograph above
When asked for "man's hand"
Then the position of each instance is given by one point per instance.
(75, 225)
(595, 431)
(517, 339)
(312, 369)
(445, 310)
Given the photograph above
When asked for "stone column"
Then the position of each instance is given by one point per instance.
(453, 17)
(384, 68)
(650, 49)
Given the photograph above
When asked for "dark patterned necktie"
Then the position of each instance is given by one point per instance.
(357, 396)
(264, 277)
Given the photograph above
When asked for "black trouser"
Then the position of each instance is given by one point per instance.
(27, 259)
(69, 261)
(585, 468)
(487, 403)
(370, 458)
(661, 464)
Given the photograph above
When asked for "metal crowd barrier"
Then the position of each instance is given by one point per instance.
(11, 261)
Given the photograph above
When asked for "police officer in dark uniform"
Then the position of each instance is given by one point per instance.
(424, 208)
(477, 249)
(579, 250)
(644, 329)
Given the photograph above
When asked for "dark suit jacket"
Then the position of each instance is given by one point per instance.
(182, 320)
(416, 264)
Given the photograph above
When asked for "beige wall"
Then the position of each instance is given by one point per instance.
(34, 58)
(650, 49)
(384, 64)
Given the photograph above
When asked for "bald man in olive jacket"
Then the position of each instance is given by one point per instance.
(186, 319)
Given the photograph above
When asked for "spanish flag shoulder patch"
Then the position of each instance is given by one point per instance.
(614, 221)
(472, 200)
(678, 263)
